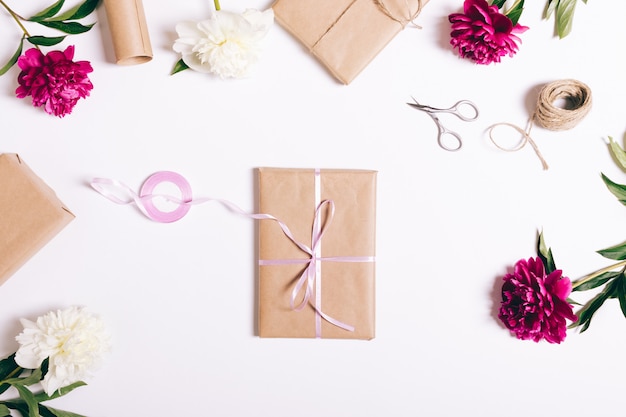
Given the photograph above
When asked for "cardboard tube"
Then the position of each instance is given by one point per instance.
(129, 31)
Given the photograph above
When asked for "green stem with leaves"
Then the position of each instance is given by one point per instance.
(591, 276)
(18, 19)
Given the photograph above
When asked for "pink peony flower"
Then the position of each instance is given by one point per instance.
(53, 80)
(534, 305)
(483, 34)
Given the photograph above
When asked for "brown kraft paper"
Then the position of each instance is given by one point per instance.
(347, 288)
(129, 31)
(345, 35)
(30, 214)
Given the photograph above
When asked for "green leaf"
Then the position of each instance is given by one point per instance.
(45, 40)
(13, 60)
(53, 412)
(618, 190)
(617, 252)
(565, 17)
(72, 28)
(573, 302)
(19, 406)
(498, 3)
(180, 66)
(550, 8)
(46, 13)
(545, 254)
(31, 379)
(7, 366)
(4, 411)
(42, 396)
(78, 12)
(29, 399)
(596, 281)
(617, 152)
(586, 313)
(44, 367)
(515, 11)
(621, 293)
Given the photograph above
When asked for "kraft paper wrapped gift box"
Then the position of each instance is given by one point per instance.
(30, 214)
(345, 35)
(344, 280)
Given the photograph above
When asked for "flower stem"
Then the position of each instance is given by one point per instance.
(591, 276)
(16, 370)
(18, 19)
(216, 2)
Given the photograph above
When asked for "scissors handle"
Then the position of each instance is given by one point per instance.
(464, 110)
(449, 140)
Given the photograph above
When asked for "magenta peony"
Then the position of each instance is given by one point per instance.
(534, 305)
(53, 80)
(483, 34)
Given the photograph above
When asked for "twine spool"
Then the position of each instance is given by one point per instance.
(577, 98)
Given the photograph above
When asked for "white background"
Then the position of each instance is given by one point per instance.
(179, 299)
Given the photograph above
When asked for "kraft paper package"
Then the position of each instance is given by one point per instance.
(30, 214)
(341, 298)
(345, 35)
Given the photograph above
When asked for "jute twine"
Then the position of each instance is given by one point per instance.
(411, 16)
(577, 98)
(403, 21)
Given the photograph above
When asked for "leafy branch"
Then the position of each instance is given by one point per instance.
(612, 279)
(51, 17)
(29, 403)
(563, 11)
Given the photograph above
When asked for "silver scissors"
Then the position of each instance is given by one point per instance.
(463, 109)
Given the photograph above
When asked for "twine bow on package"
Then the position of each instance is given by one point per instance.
(30, 214)
(346, 35)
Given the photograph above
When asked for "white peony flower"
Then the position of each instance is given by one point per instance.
(226, 44)
(73, 339)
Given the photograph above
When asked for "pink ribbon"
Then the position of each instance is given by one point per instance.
(122, 194)
(311, 278)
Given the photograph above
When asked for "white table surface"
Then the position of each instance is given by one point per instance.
(179, 299)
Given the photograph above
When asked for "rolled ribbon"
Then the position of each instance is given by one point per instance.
(576, 94)
(311, 278)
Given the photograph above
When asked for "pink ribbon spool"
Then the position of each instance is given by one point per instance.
(148, 203)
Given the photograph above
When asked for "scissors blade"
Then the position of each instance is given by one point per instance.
(421, 107)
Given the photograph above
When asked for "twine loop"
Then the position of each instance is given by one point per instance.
(576, 99)
(411, 16)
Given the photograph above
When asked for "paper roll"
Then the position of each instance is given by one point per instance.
(129, 31)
